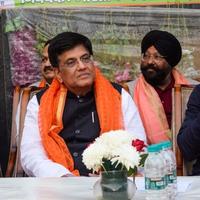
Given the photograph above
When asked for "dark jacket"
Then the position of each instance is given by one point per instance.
(189, 135)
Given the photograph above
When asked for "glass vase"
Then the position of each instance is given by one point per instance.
(114, 185)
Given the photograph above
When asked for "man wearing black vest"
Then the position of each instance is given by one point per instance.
(79, 105)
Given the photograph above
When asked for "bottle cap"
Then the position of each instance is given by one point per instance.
(154, 148)
(165, 145)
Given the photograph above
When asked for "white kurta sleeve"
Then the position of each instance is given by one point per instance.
(132, 120)
(34, 159)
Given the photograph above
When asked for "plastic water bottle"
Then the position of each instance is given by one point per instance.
(154, 170)
(171, 177)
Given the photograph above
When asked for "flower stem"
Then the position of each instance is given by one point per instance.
(103, 168)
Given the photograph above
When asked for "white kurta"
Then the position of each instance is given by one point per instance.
(34, 159)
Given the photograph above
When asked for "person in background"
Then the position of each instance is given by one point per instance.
(48, 74)
(46, 69)
(188, 138)
(78, 106)
(152, 91)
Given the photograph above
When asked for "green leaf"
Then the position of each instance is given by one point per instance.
(142, 160)
(108, 166)
(132, 171)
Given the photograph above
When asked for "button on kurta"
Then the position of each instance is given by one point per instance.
(77, 131)
(80, 100)
(75, 154)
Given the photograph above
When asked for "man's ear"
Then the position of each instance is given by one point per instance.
(58, 75)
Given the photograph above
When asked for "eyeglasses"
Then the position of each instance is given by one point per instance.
(157, 58)
(73, 62)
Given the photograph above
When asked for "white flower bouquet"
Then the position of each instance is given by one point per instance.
(115, 150)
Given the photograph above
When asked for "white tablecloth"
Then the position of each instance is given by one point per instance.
(76, 188)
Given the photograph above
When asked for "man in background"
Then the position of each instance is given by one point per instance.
(47, 70)
(26, 93)
(152, 91)
(47, 73)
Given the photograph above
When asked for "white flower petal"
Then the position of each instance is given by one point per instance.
(115, 146)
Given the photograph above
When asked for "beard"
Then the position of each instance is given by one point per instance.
(155, 76)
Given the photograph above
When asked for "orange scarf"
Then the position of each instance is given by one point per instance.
(151, 109)
(42, 83)
(108, 103)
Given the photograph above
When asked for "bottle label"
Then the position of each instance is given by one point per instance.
(155, 183)
(175, 175)
(171, 177)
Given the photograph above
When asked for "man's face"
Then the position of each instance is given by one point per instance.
(46, 68)
(154, 67)
(76, 69)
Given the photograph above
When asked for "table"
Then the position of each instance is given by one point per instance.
(74, 188)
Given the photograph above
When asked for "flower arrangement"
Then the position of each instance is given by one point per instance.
(115, 150)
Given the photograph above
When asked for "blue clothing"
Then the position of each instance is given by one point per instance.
(189, 134)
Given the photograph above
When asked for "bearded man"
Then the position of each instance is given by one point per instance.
(152, 91)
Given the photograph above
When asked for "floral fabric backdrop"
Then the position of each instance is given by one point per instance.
(116, 34)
